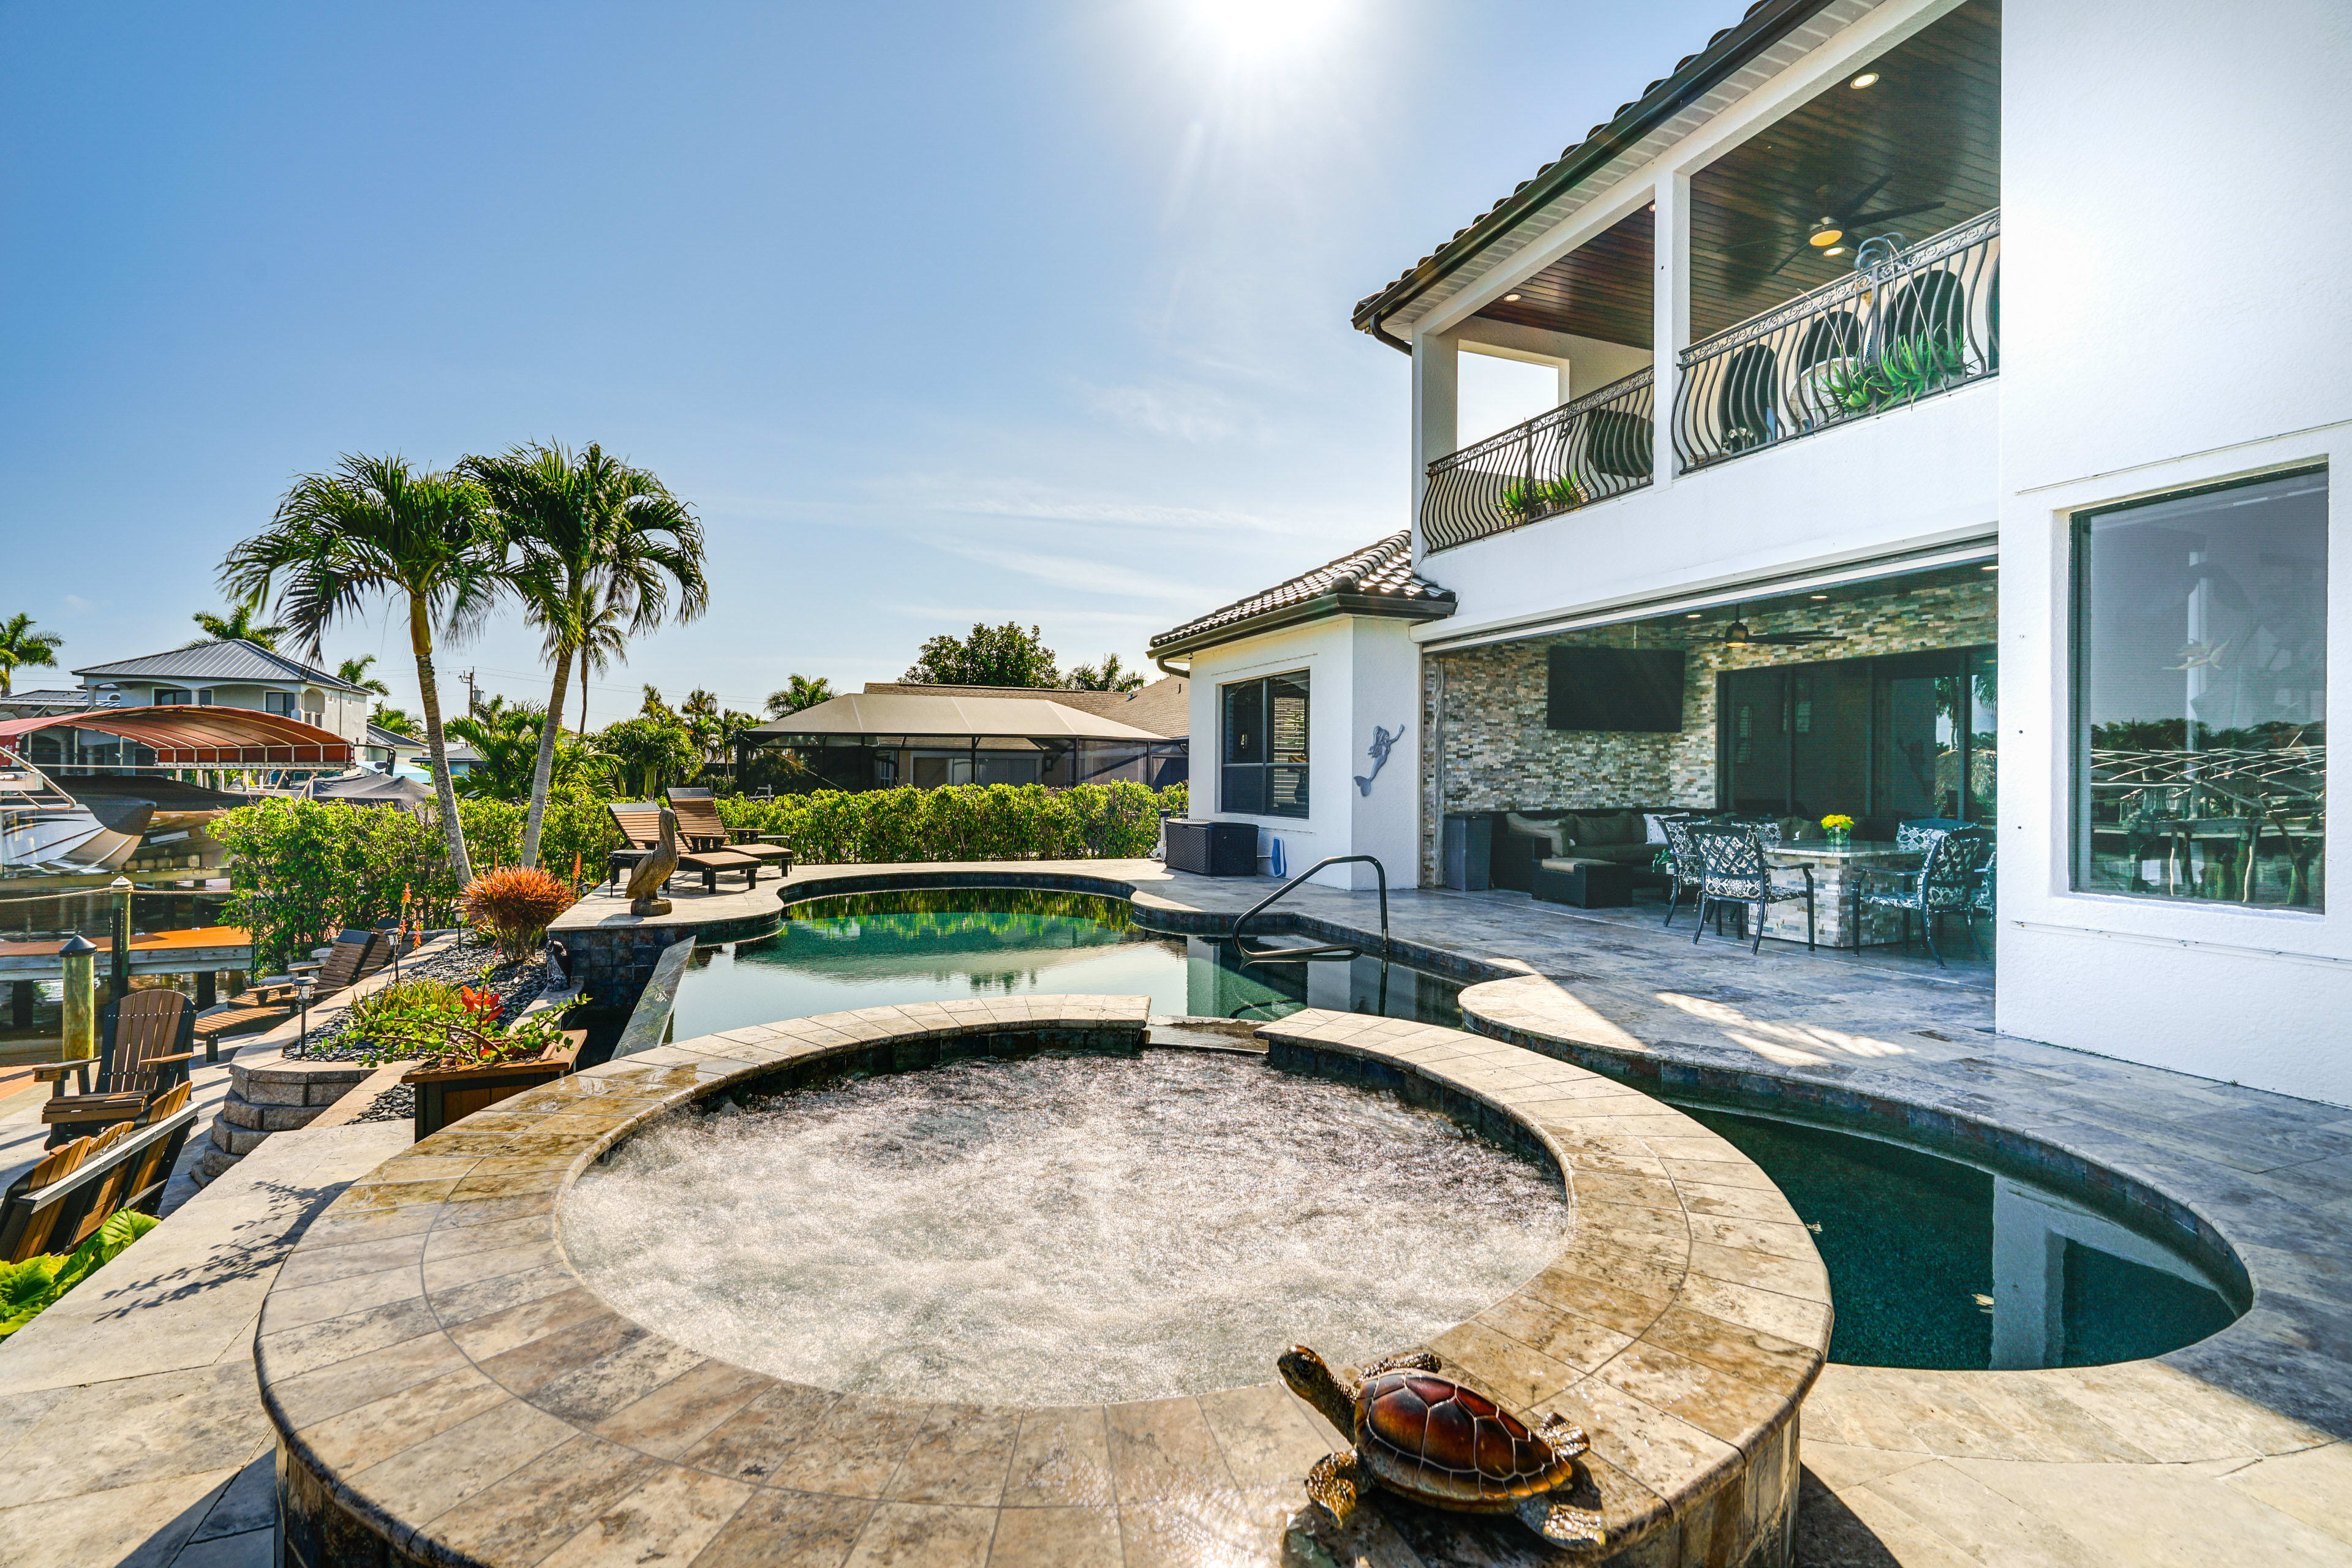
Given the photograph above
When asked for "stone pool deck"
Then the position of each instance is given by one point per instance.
(447, 1390)
(2232, 1450)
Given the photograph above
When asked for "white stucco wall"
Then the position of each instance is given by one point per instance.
(2174, 313)
(1365, 671)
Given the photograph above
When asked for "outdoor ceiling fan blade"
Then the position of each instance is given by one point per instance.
(1862, 197)
(1863, 218)
(1802, 248)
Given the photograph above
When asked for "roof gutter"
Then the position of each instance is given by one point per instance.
(1757, 31)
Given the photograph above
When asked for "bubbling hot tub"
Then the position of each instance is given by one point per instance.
(517, 1394)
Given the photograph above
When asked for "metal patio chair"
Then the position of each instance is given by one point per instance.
(1733, 872)
(1684, 866)
(1947, 883)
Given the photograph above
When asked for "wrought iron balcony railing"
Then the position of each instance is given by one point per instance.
(1916, 322)
(1580, 452)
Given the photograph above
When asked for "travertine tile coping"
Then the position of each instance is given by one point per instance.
(446, 1390)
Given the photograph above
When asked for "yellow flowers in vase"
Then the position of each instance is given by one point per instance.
(1839, 827)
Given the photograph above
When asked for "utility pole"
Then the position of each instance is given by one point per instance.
(473, 698)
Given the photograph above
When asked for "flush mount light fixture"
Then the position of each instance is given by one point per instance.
(1825, 233)
(1510, 299)
(1864, 79)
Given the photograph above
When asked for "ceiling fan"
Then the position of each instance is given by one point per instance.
(1834, 229)
(1736, 635)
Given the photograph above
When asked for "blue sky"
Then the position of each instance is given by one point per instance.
(935, 312)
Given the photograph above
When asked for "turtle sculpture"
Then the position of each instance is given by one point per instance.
(1426, 1437)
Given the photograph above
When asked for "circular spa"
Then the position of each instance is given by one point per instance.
(1003, 1279)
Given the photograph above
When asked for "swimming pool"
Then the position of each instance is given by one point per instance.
(944, 944)
(1938, 1264)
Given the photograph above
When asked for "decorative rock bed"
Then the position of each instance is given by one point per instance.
(447, 1391)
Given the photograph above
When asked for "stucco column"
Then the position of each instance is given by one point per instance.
(1670, 311)
(1436, 402)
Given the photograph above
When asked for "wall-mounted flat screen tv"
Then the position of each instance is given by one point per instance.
(1636, 689)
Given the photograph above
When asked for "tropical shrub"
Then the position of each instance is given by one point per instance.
(30, 1288)
(391, 1021)
(516, 904)
(453, 1026)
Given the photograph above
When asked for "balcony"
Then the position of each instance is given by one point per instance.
(1581, 452)
(1905, 325)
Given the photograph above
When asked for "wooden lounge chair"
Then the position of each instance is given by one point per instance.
(24, 1232)
(149, 1045)
(699, 826)
(640, 823)
(355, 955)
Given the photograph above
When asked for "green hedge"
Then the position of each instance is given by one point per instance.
(302, 870)
(961, 822)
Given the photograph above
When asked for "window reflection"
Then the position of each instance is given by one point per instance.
(2200, 694)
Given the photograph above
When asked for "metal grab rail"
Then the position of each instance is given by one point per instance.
(1291, 954)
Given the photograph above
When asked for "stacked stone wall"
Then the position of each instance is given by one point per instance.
(1483, 707)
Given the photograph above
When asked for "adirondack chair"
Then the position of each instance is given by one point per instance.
(640, 823)
(700, 826)
(148, 1046)
(126, 1166)
(355, 955)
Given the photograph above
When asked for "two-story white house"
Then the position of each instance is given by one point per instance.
(231, 674)
(1946, 406)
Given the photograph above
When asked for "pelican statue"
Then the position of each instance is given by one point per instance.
(646, 881)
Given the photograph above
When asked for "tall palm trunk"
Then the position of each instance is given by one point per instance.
(583, 691)
(543, 772)
(420, 640)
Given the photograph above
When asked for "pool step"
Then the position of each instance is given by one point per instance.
(1195, 1034)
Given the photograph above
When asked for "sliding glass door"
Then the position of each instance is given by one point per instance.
(1881, 740)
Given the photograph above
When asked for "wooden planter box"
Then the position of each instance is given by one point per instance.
(444, 1095)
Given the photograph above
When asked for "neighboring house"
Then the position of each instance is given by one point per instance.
(41, 704)
(1921, 447)
(891, 734)
(231, 674)
(388, 750)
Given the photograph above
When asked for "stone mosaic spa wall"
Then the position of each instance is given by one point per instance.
(1484, 707)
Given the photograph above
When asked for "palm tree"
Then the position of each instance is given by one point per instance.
(376, 526)
(600, 545)
(20, 643)
(1107, 676)
(356, 670)
(505, 739)
(801, 692)
(237, 625)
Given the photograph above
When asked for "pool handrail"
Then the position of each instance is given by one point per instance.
(1301, 955)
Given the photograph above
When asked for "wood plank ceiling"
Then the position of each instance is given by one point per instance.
(1928, 132)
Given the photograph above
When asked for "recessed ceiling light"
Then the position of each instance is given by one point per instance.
(1834, 251)
(1510, 299)
(1820, 595)
(1988, 568)
(1864, 79)
(1692, 616)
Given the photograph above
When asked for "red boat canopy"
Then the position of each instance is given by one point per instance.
(200, 737)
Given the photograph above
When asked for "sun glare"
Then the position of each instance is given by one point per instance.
(1265, 29)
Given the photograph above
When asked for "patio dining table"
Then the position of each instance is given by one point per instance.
(1840, 870)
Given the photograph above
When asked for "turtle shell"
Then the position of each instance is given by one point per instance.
(1428, 1436)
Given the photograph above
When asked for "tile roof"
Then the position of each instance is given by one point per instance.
(1377, 580)
(1760, 26)
(231, 660)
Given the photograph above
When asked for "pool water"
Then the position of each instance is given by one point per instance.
(946, 944)
(1938, 1264)
(1059, 1229)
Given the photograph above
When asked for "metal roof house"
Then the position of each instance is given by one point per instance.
(231, 673)
(891, 735)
